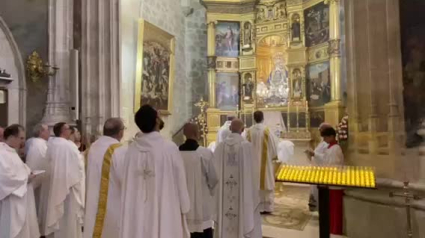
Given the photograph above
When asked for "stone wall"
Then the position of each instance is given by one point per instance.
(168, 15)
(27, 20)
(196, 55)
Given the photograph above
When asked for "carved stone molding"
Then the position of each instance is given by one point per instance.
(5, 78)
(271, 11)
(331, 1)
(227, 64)
(334, 47)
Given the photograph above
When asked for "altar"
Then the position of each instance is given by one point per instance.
(276, 56)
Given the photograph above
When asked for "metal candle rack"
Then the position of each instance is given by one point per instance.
(325, 176)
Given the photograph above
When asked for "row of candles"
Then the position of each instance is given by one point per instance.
(333, 175)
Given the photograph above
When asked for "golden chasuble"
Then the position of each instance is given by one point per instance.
(264, 155)
(103, 192)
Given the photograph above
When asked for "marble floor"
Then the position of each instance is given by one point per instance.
(297, 196)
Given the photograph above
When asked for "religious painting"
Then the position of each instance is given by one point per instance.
(297, 120)
(297, 90)
(248, 87)
(273, 84)
(317, 118)
(413, 59)
(227, 39)
(227, 91)
(155, 68)
(316, 24)
(319, 84)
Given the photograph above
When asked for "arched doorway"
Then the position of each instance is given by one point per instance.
(12, 80)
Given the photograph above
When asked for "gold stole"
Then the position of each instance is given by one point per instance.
(103, 192)
(264, 155)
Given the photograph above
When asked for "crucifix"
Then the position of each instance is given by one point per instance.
(146, 174)
(408, 197)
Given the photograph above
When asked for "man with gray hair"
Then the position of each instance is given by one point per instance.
(36, 160)
(104, 163)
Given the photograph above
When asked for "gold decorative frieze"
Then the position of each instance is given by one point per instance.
(267, 11)
(212, 62)
(297, 56)
(247, 63)
(290, 3)
(227, 64)
(276, 27)
(334, 47)
(318, 53)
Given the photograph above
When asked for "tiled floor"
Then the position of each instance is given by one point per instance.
(310, 231)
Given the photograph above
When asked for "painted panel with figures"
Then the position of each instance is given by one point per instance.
(319, 84)
(227, 91)
(155, 73)
(227, 39)
(316, 24)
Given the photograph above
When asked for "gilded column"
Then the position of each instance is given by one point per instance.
(211, 62)
(334, 49)
(334, 109)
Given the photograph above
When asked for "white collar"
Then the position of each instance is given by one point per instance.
(7, 147)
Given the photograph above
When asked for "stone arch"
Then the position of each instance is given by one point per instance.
(10, 57)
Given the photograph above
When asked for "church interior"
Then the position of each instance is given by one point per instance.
(358, 65)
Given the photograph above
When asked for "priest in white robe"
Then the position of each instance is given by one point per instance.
(201, 181)
(18, 217)
(237, 196)
(317, 158)
(155, 196)
(265, 145)
(224, 130)
(65, 209)
(36, 160)
(103, 189)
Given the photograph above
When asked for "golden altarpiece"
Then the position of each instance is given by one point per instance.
(278, 56)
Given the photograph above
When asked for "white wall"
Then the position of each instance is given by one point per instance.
(10, 60)
(167, 15)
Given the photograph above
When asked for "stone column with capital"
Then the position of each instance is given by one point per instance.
(100, 64)
(334, 110)
(60, 44)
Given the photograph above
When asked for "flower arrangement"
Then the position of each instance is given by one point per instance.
(342, 129)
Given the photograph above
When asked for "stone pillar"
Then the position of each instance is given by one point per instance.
(211, 62)
(334, 109)
(375, 106)
(100, 62)
(60, 44)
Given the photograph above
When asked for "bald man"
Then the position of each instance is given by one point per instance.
(104, 174)
(201, 181)
(317, 158)
(237, 196)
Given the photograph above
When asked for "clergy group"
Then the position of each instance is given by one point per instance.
(147, 188)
